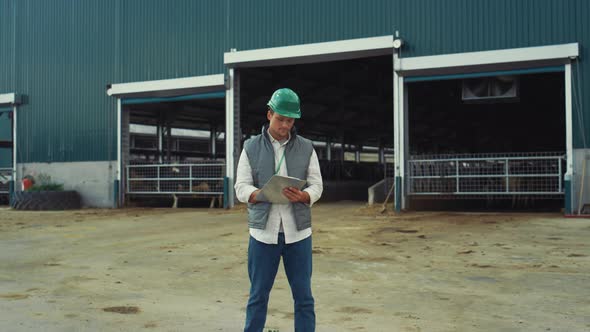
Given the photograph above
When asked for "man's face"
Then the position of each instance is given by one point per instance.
(280, 126)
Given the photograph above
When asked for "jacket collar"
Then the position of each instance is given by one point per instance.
(265, 134)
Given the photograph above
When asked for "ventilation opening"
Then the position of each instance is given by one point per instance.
(490, 89)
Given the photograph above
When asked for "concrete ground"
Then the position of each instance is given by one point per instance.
(185, 270)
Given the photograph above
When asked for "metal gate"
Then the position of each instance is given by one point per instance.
(5, 178)
(205, 179)
(484, 175)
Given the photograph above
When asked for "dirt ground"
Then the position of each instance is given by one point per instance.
(185, 270)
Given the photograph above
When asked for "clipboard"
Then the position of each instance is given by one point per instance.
(273, 190)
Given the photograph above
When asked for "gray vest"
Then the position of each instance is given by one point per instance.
(261, 156)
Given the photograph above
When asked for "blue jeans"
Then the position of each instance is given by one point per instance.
(263, 263)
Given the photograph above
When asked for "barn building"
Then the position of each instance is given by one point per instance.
(450, 104)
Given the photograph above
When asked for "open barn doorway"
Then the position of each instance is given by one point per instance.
(487, 143)
(171, 142)
(347, 111)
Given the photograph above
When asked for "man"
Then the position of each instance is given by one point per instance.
(279, 230)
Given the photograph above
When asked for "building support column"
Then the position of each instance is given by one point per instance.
(229, 138)
(213, 142)
(14, 144)
(160, 138)
(569, 145)
(118, 185)
(400, 135)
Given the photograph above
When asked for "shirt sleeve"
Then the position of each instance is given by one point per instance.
(244, 182)
(314, 179)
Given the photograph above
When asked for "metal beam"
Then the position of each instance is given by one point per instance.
(9, 99)
(552, 69)
(206, 95)
(310, 53)
(168, 87)
(471, 59)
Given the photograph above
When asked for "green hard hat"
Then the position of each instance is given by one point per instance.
(286, 103)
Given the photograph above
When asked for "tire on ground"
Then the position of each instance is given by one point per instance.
(46, 200)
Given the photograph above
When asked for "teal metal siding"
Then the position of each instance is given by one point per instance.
(170, 39)
(453, 26)
(68, 51)
(63, 53)
(431, 27)
(271, 23)
(6, 46)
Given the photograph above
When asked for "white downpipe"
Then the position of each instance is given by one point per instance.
(569, 145)
(14, 147)
(229, 138)
(404, 135)
(400, 128)
(402, 141)
(400, 148)
(119, 133)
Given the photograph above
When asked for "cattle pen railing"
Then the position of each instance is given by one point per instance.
(205, 179)
(538, 174)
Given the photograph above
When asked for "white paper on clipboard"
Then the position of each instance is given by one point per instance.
(273, 189)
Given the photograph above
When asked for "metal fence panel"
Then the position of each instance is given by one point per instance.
(487, 174)
(196, 179)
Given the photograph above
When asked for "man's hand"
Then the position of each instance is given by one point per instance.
(295, 195)
(252, 198)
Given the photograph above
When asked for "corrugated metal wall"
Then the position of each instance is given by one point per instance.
(453, 26)
(170, 39)
(270, 23)
(6, 77)
(64, 56)
(6, 48)
(67, 51)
